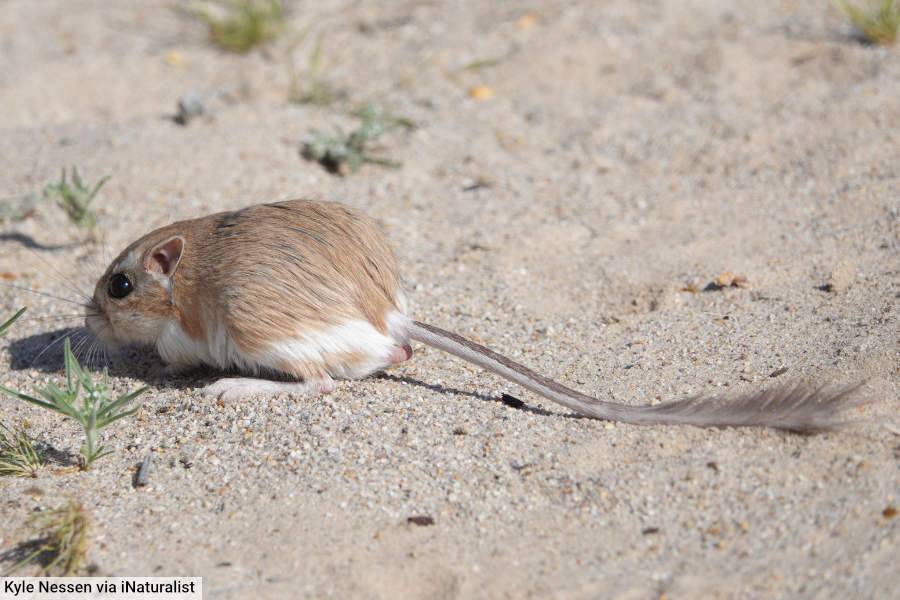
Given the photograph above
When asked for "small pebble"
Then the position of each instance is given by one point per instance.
(840, 279)
(142, 477)
(190, 106)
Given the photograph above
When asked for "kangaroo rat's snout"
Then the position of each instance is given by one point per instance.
(310, 291)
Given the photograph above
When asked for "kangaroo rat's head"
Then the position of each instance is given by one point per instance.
(133, 299)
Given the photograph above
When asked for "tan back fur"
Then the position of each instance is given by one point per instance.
(266, 272)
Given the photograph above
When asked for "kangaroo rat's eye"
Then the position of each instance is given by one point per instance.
(120, 286)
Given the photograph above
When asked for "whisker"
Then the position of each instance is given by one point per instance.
(98, 353)
(93, 262)
(79, 345)
(31, 291)
(92, 353)
(47, 347)
(105, 353)
(104, 249)
(59, 273)
(86, 352)
(82, 352)
(57, 317)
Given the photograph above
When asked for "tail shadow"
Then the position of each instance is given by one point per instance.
(506, 399)
(30, 242)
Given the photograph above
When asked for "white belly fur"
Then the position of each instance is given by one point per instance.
(352, 336)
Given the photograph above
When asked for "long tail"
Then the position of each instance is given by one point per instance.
(796, 407)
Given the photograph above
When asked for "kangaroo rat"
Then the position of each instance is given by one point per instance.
(309, 291)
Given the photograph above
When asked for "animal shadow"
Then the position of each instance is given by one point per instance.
(45, 352)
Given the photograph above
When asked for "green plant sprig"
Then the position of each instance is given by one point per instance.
(18, 455)
(75, 198)
(96, 411)
(317, 90)
(878, 22)
(245, 24)
(344, 153)
(5, 327)
(63, 541)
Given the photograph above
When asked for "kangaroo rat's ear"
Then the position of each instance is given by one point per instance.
(165, 256)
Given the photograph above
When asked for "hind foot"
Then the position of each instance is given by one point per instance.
(400, 354)
(238, 388)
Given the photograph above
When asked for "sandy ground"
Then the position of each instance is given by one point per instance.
(632, 151)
